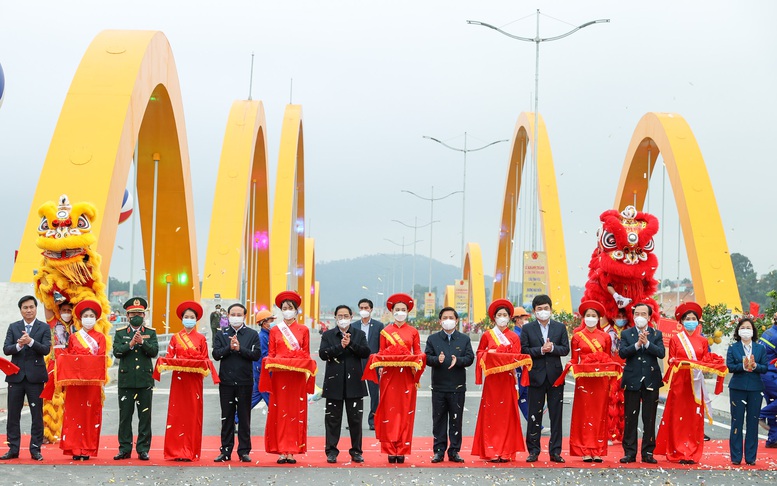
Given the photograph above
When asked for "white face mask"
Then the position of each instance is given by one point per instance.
(289, 314)
(188, 322)
(400, 316)
(502, 321)
(66, 317)
(591, 321)
(449, 324)
(640, 322)
(235, 321)
(542, 315)
(364, 313)
(746, 334)
(344, 323)
(88, 323)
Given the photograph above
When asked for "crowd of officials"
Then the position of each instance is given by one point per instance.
(518, 362)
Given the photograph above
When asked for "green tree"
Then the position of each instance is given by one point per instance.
(747, 279)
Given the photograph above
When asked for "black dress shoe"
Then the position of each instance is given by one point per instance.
(532, 458)
(556, 458)
(736, 463)
(122, 455)
(245, 458)
(455, 457)
(706, 437)
(182, 459)
(687, 462)
(751, 463)
(281, 460)
(222, 458)
(438, 457)
(9, 455)
(36, 456)
(357, 458)
(628, 459)
(392, 459)
(143, 456)
(291, 460)
(331, 458)
(372, 426)
(400, 459)
(649, 460)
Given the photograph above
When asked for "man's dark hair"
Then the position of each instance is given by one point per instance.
(237, 304)
(739, 324)
(456, 314)
(27, 298)
(366, 301)
(343, 306)
(638, 304)
(541, 299)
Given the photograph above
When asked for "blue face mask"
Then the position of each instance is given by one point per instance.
(621, 322)
(273, 324)
(188, 323)
(690, 326)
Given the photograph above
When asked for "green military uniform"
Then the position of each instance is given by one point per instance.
(136, 383)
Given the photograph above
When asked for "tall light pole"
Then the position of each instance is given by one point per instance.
(465, 150)
(415, 240)
(402, 278)
(537, 40)
(431, 200)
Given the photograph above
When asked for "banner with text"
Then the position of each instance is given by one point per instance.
(535, 274)
(429, 304)
(461, 296)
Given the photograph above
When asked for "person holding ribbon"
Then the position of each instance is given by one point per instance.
(615, 420)
(288, 374)
(187, 357)
(402, 363)
(681, 432)
(498, 433)
(593, 368)
(81, 370)
(746, 361)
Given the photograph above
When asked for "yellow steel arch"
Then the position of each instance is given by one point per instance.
(450, 296)
(238, 241)
(473, 272)
(705, 240)
(316, 306)
(550, 214)
(309, 288)
(125, 91)
(287, 238)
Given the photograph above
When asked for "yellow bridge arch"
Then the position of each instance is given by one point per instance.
(550, 214)
(125, 91)
(238, 240)
(473, 272)
(705, 241)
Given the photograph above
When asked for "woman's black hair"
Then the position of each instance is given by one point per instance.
(739, 324)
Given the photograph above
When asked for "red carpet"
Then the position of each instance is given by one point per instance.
(715, 456)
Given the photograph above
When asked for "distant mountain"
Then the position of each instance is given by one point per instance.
(378, 276)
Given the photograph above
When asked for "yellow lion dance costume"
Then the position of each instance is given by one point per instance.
(71, 270)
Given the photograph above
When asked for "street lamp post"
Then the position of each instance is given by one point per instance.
(402, 273)
(415, 240)
(537, 40)
(431, 200)
(465, 150)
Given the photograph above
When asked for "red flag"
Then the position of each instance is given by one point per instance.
(754, 308)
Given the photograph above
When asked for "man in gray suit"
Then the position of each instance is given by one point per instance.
(371, 328)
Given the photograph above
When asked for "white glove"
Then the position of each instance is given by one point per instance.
(620, 300)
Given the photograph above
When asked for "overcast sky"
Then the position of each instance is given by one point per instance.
(373, 77)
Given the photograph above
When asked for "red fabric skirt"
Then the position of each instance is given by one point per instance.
(395, 416)
(183, 435)
(82, 421)
(588, 430)
(498, 429)
(286, 431)
(681, 432)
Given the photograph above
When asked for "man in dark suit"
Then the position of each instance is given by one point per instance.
(27, 342)
(236, 348)
(135, 345)
(371, 329)
(448, 353)
(641, 347)
(546, 341)
(343, 348)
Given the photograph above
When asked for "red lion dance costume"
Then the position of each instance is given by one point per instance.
(621, 273)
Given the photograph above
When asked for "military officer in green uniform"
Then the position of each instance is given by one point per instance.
(135, 345)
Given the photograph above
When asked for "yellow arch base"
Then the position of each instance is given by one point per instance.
(705, 240)
(473, 272)
(550, 214)
(309, 294)
(238, 242)
(450, 296)
(287, 240)
(125, 91)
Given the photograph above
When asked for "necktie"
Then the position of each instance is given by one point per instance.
(28, 327)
